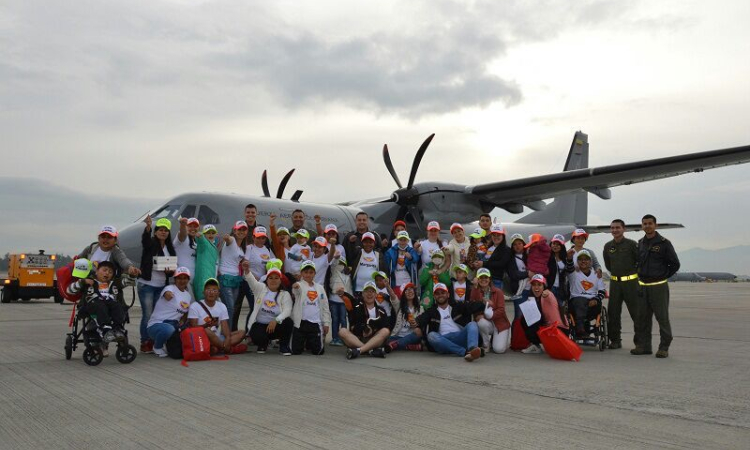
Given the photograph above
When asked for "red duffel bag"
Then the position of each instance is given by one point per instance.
(64, 279)
(518, 339)
(557, 344)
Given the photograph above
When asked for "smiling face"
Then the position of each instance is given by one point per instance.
(251, 214)
(458, 234)
(578, 241)
(240, 234)
(497, 239)
(518, 246)
(485, 222)
(555, 246)
(441, 297)
(192, 229)
(211, 293)
(410, 294)
(107, 242)
(308, 274)
(484, 282)
(433, 235)
(617, 230)
(298, 219)
(584, 263)
(259, 241)
(369, 296)
(537, 288)
(273, 281)
(182, 282)
(161, 233)
(368, 245)
(648, 226)
(318, 250)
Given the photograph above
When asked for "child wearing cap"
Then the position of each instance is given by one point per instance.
(579, 238)
(403, 335)
(365, 262)
(232, 255)
(477, 249)
(398, 227)
(461, 286)
(537, 255)
(402, 260)
(257, 253)
(323, 258)
(151, 282)
(494, 326)
(518, 273)
(170, 311)
(432, 273)
(99, 298)
(368, 326)
(330, 232)
(211, 315)
(206, 259)
(433, 243)
(586, 290)
(311, 315)
(185, 246)
(457, 249)
(271, 316)
(299, 252)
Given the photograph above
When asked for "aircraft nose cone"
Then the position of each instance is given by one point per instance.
(129, 240)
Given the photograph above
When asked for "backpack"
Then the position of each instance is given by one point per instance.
(64, 279)
(195, 343)
(518, 339)
(174, 346)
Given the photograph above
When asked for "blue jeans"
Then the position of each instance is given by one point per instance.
(338, 318)
(457, 343)
(228, 296)
(402, 342)
(160, 332)
(498, 283)
(147, 296)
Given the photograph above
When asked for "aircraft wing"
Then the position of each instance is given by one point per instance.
(597, 180)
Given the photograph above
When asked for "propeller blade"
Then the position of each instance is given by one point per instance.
(264, 184)
(389, 165)
(418, 159)
(283, 183)
(296, 196)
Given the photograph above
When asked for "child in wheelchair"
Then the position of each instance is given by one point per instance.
(100, 299)
(586, 294)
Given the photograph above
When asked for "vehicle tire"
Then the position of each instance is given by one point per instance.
(68, 347)
(126, 354)
(8, 294)
(4, 296)
(93, 356)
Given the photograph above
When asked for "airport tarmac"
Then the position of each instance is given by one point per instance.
(697, 398)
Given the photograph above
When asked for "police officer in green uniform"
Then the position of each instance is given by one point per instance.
(657, 261)
(621, 260)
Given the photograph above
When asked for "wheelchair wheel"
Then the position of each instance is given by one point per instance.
(93, 356)
(126, 354)
(603, 331)
(68, 347)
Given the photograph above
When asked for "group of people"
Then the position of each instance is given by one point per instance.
(375, 295)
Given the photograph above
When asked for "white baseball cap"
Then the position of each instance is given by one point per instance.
(434, 225)
(182, 271)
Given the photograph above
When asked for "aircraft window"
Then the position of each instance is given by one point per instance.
(189, 211)
(169, 211)
(207, 215)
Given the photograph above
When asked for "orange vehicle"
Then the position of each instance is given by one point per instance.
(30, 276)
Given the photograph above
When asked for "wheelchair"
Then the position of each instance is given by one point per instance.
(83, 330)
(596, 326)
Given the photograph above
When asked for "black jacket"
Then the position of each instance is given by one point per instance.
(152, 248)
(657, 259)
(514, 274)
(461, 312)
(563, 292)
(353, 262)
(498, 262)
(360, 321)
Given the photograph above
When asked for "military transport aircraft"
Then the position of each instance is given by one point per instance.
(419, 203)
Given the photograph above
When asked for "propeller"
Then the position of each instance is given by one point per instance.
(282, 185)
(407, 197)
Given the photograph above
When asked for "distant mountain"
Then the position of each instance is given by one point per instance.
(732, 259)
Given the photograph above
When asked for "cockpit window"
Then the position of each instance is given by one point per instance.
(171, 212)
(189, 211)
(207, 215)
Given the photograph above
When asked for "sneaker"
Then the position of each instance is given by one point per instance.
(160, 352)
(662, 354)
(119, 335)
(391, 346)
(261, 350)
(284, 350)
(531, 349)
(614, 345)
(236, 349)
(377, 352)
(414, 347)
(336, 343)
(109, 336)
(640, 351)
(352, 353)
(473, 354)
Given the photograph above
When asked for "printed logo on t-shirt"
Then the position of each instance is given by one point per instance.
(306, 253)
(103, 286)
(380, 298)
(270, 304)
(400, 260)
(368, 259)
(460, 292)
(184, 305)
(312, 295)
(586, 285)
(462, 255)
(264, 257)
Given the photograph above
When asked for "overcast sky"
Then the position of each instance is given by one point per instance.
(141, 100)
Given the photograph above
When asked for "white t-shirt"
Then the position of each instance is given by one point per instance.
(521, 267)
(171, 309)
(310, 308)
(459, 291)
(383, 300)
(303, 251)
(269, 308)
(372, 312)
(582, 285)
(185, 254)
(560, 268)
(258, 257)
(368, 264)
(489, 253)
(218, 311)
(447, 324)
(428, 248)
(340, 249)
(406, 327)
(321, 267)
(231, 256)
(458, 252)
(481, 251)
(401, 274)
(158, 277)
(100, 255)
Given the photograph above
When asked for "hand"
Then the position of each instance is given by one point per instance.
(367, 332)
(227, 345)
(273, 219)
(333, 240)
(246, 266)
(433, 272)
(325, 330)
(413, 323)
(598, 273)
(134, 271)
(168, 295)
(592, 303)
(353, 238)
(407, 255)
(227, 239)
(571, 252)
(546, 293)
(148, 221)
(477, 264)
(183, 221)
(271, 326)
(340, 291)
(295, 285)
(337, 255)
(418, 246)
(317, 218)
(89, 281)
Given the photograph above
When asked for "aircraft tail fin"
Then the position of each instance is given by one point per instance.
(569, 208)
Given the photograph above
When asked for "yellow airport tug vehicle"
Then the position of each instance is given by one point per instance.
(30, 276)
